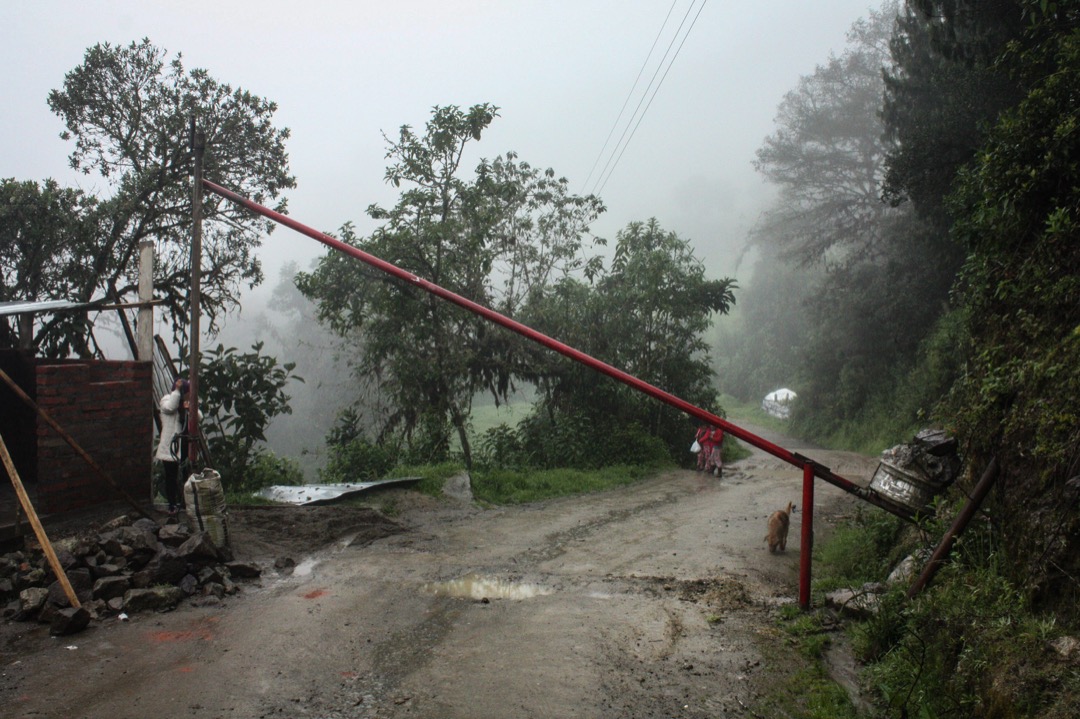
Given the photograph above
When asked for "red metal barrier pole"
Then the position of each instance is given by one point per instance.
(806, 544)
(821, 471)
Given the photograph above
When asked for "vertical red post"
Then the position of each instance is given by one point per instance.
(806, 546)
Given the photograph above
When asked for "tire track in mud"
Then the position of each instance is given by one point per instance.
(556, 542)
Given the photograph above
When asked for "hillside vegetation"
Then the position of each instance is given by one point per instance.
(955, 303)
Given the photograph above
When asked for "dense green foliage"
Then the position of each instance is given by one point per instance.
(847, 287)
(514, 239)
(1018, 210)
(351, 456)
(967, 315)
(570, 439)
(971, 645)
(943, 88)
(492, 239)
(240, 393)
(645, 315)
(43, 231)
(128, 113)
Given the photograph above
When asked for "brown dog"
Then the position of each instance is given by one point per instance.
(778, 528)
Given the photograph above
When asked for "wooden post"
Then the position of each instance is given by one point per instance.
(198, 147)
(39, 530)
(957, 528)
(26, 331)
(146, 294)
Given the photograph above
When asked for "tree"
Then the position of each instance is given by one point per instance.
(128, 112)
(865, 280)
(290, 328)
(645, 316)
(43, 232)
(942, 92)
(827, 156)
(242, 394)
(428, 356)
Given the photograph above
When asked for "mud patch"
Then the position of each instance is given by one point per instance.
(271, 531)
(720, 593)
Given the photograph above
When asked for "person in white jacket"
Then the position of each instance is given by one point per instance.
(172, 447)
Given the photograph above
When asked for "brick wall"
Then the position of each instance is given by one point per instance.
(107, 408)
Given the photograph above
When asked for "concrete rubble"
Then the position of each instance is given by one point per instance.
(128, 567)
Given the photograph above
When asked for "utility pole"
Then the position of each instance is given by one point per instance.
(145, 329)
(198, 147)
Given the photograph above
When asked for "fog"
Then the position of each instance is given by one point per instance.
(344, 73)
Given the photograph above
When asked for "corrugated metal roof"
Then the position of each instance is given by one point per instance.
(18, 308)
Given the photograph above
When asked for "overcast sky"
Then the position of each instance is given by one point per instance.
(342, 73)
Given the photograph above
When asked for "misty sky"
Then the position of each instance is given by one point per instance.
(342, 73)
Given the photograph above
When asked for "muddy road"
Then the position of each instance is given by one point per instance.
(654, 600)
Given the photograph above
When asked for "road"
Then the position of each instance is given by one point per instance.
(654, 600)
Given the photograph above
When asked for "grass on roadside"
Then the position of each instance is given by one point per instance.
(799, 684)
(752, 413)
(504, 486)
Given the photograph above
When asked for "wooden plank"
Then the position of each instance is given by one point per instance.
(39, 530)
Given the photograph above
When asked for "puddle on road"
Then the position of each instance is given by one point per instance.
(308, 564)
(305, 567)
(474, 586)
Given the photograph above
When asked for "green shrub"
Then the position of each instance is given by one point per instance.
(862, 550)
(572, 440)
(357, 460)
(269, 469)
(432, 476)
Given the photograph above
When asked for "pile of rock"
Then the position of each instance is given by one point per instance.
(129, 566)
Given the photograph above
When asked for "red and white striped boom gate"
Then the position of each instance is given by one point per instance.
(809, 467)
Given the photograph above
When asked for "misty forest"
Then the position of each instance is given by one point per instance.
(919, 267)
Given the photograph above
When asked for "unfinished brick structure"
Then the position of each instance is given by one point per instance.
(106, 407)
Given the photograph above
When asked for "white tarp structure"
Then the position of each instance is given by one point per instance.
(323, 493)
(778, 403)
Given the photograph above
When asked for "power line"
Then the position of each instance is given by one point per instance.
(617, 153)
(629, 95)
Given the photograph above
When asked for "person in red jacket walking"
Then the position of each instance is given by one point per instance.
(714, 462)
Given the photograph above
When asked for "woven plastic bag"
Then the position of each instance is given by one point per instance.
(204, 499)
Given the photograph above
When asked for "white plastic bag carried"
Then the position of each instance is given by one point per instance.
(695, 447)
(204, 500)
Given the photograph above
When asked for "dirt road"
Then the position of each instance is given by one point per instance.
(648, 601)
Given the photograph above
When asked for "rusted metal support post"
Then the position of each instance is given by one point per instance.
(806, 544)
(198, 147)
(958, 526)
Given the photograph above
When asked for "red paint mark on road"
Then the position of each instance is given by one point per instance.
(185, 669)
(201, 630)
(187, 635)
(349, 675)
(315, 594)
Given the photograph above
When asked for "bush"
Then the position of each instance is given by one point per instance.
(263, 469)
(862, 550)
(569, 440)
(357, 460)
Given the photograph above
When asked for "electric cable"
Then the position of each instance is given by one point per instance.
(629, 95)
(606, 173)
